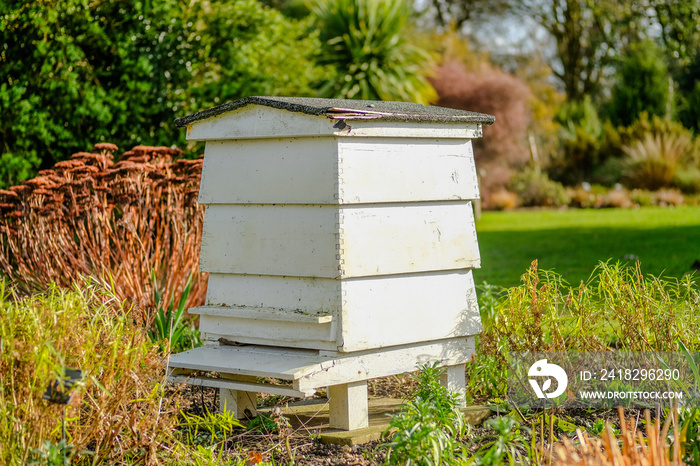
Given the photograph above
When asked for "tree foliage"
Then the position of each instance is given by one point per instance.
(456, 13)
(366, 42)
(678, 21)
(74, 72)
(642, 85)
(586, 34)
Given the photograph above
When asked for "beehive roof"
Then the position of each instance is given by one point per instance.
(342, 109)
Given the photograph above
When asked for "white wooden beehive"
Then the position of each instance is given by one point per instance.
(341, 227)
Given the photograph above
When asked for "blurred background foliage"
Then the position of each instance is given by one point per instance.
(586, 93)
(77, 72)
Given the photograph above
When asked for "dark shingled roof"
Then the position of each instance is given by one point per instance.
(342, 109)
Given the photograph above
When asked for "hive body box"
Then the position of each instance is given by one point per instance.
(336, 230)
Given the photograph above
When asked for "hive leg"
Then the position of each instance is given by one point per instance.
(243, 404)
(348, 406)
(454, 380)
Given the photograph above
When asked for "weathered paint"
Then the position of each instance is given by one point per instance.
(401, 309)
(404, 238)
(313, 296)
(332, 242)
(378, 170)
(260, 122)
(360, 310)
(261, 331)
(326, 170)
(270, 171)
(255, 122)
(310, 370)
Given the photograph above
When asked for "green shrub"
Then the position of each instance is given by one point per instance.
(536, 189)
(75, 72)
(508, 444)
(642, 198)
(583, 115)
(689, 95)
(642, 85)
(688, 180)
(581, 133)
(579, 156)
(690, 109)
(650, 138)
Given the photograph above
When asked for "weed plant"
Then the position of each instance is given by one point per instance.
(427, 429)
(506, 444)
(171, 330)
(616, 308)
(89, 216)
(117, 412)
(209, 429)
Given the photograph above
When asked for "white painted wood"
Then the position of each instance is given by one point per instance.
(201, 381)
(417, 237)
(241, 404)
(256, 121)
(400, 129)
(376, 170)
(316, 241)
(269, 171)
(364, 365)
(278, 363)
(269, 332)
(228, 401)
(348, 406)
(367, 307)
(309, 370)
(261, 313)
(310, 295)
(270, 240)
(331, 171)
(416, 307)
(453, 379)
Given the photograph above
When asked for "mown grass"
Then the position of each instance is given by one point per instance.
(571, 242)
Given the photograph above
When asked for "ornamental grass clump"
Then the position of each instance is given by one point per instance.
(117, 413)
(91, 216)
(654, 160)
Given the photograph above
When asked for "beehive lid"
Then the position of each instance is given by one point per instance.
(341, 109)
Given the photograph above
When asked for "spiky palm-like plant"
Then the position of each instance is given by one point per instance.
(365, 41)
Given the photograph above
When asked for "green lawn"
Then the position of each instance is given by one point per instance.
(665, 240)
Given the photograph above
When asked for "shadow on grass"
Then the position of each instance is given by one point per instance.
(574, 252)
